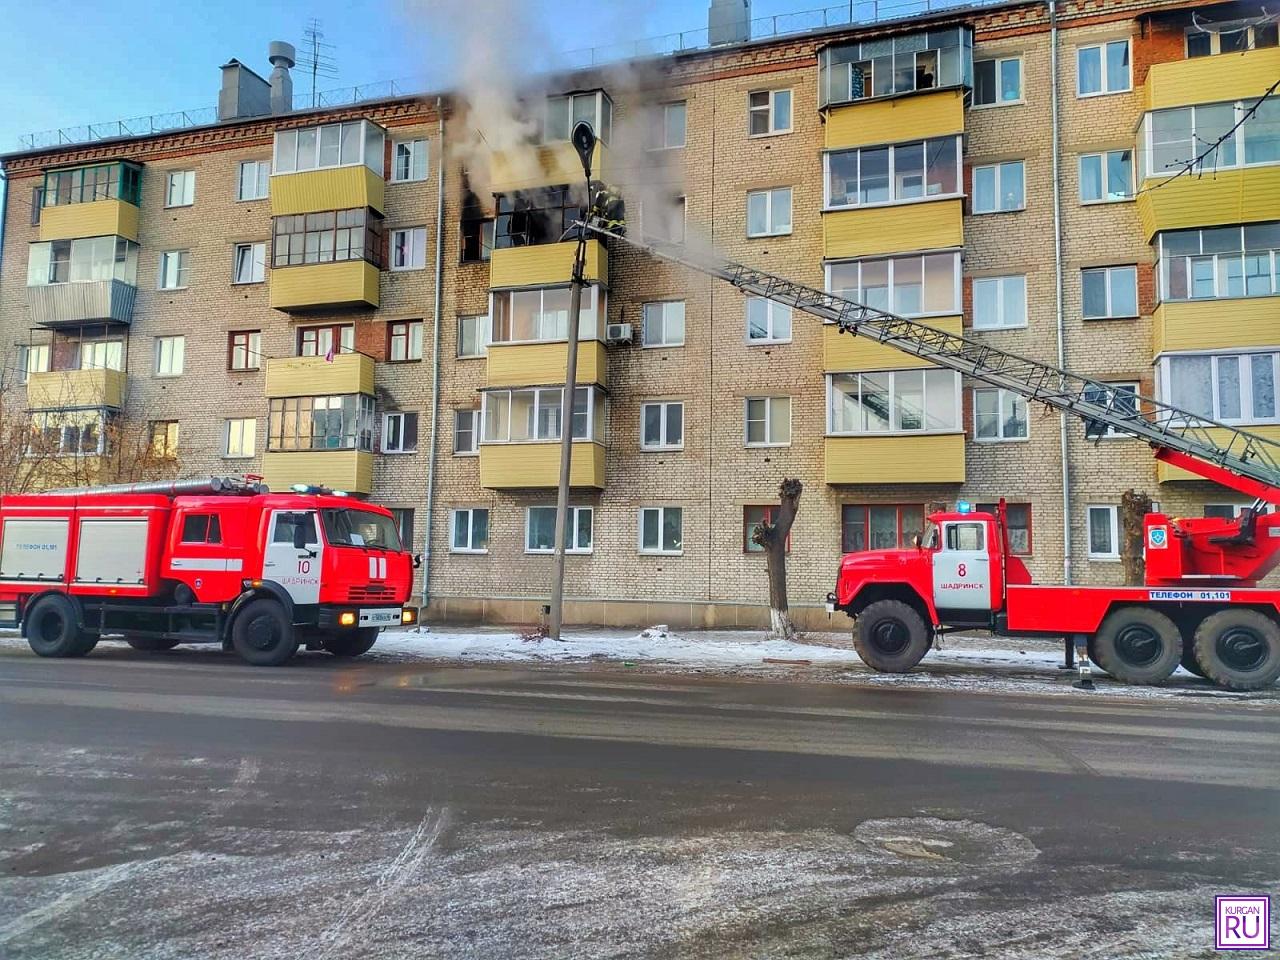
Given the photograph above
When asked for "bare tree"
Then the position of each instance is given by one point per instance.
(1133, 510)
(773, 538)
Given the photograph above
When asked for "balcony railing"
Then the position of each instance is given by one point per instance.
(68, 304)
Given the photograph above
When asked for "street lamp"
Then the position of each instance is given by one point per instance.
(584, 142)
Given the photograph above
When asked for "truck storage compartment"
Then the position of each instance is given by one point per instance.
(112, 550)
(33, 548)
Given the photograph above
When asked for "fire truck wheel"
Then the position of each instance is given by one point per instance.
(52, 630)
(1137, 645)
(263, 635)
(150, 643)
(891, 636)
(351, 644)
(1239, 649)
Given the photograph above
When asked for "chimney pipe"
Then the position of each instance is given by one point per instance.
(282, 57)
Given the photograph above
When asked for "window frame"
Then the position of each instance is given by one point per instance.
(770, 110)
(364, 240)
(658, 551)
(257, 265)
(177, 350)
(369, 131)
(1104, 70)
(228, 427)
(1104, 159)
(469, 548)
(593, 310)
(1220, 262)
(590, 435)
(644, 324)
(405, 417)
(1215, 41)
(292, 409)
(572, 529)
(1164, 380)
(1110, 433)
(956, 398)
(1114, 523)
(1001, 396)
(188, 187)
(1001, 307)
(894, 148)
(339, 341)
(999, 62)
(252, 349)
(407, 335)
(417, 251)
(997, 190)
(262, 180)
(770, 307)
(993, 509)
(900, 534)
(473, 414)
(769, 421)
(1108, 273)
(659, 122)
(413, 144)
(664, 445)
(955, 308)
(484, 332)
(183, 272)
(172, 431)
(755, 549)
(770, 229)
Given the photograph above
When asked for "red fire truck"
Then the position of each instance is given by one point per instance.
(1200, 604)
(206, 561)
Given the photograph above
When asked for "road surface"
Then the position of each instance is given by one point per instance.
(184, 805)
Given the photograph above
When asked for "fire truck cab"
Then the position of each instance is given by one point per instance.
(257, 572)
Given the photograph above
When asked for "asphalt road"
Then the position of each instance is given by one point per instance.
(183, 805)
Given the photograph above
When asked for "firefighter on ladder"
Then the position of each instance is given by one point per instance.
(608, 212)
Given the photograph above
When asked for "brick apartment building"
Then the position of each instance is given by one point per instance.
(326, 296)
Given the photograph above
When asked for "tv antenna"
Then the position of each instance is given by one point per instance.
(314, 57)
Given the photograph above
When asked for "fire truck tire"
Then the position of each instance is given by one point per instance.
(351, 644)
(150, 643)
(1137, 645)
(52, 630)
(263, 635)
(1189, 661)
(891, 636)
(1239, 649)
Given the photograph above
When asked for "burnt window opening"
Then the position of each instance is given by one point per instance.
(535, 217)
(476, 226)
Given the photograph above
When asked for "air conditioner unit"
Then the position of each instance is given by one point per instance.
(617, 333)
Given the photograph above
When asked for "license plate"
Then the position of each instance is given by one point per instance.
(382, 617)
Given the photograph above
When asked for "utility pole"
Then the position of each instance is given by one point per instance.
(584, 142)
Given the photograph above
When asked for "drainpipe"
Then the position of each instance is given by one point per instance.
(1057, 289)
(435, 358)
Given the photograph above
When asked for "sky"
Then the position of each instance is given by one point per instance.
(112, 62)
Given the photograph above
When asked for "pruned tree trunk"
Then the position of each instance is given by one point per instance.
(773, 538)
(1133, 509)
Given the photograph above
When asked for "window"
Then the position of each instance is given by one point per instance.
(661, 530)
(768, 321)
(473, 336)
(400, 432)
(540, 530)
(664, 324)
(32, 358)
(250, 263)
(404, 340)
(1102, 68)
(323, 341)
(662, 426)
(517, 416)
(663, 218)
(768, 422)
(541, 314)
(1171, 139)
(466, 432)
(667, 126)
(1202, 43)
(241, 437)
(201, 528)
(170, 356)
(1104, 534)
(1232, 388)
(111, 181)
(998, 188)
(253, 180)
(328, 237)
(926, 285)
(409, 161)
(37, 203)
(999, 303)
(1018, 516)
(403, 518)
(477, 239)
(879, 526)
(333, 145)
(1106, 177)
(769, 112)
(83, 260)
(769, 212)
(100, 355)
(893, 401)
(1120, 399)
(409, 248)
(922, 170)
(997, 82)
(535, 217)
(72, 431)
(1109, 292)
(1220, 262)
(999, 415)
(180, 188)
(174, 269)
(163, 439)
(888, 65)
(752, 517)
(563, 114)
(244, 350)
(469, 530)
(321, 423)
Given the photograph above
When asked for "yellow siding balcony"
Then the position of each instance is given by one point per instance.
(316, 376)
(895, 120)
(72, 389)
(522, 466)
(98, 218)
(1216, 324)
(930, 458)
(1166, 473)
(1245, 195)
(538, 364)
(545, 166)
(545, 265)
(335, 188)
(350, 283)
(846, 352)
(1230, 76)
(349, 470)
(893, 229)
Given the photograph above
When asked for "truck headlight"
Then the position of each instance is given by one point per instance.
(408, 615)
(346, 619)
